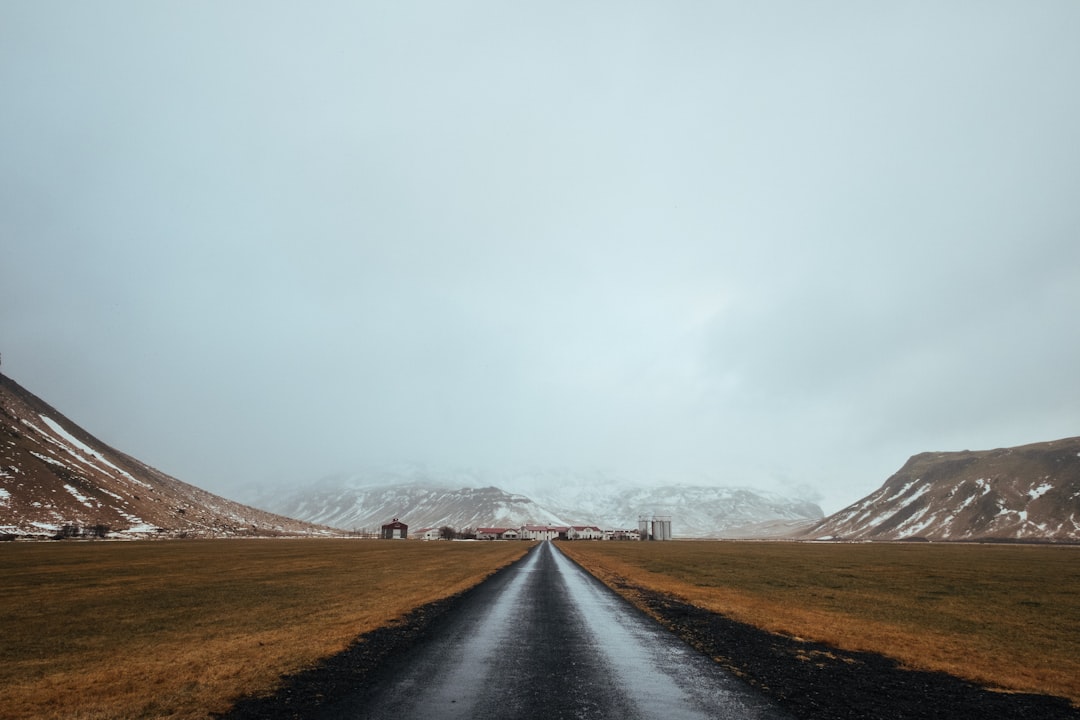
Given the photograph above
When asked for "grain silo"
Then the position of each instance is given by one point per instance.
(661, 526)
(656, 528)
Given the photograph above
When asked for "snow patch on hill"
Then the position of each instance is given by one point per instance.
(56, 477)
(1030, 492)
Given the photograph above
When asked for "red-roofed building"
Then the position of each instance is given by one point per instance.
(585, 532)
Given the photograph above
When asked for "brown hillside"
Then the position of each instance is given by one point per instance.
(1024, 493)
(55, 477)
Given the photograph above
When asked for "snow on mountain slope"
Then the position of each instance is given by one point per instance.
(1031, 492)
(55, 478)
(424, 498)
(350, 506)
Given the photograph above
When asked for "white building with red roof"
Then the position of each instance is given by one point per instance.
(585, 532)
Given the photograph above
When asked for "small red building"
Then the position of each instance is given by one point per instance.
(395, 530)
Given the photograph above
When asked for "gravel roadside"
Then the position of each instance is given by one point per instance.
(811, 681)
(819, 682)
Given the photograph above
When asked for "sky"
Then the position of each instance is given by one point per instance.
(783, 245)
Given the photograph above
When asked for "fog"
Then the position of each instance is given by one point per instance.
(782, 245)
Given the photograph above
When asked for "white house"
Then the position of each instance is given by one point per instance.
(585, 532)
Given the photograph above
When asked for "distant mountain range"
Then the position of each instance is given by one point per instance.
(423, 499)
(1030, 492)
(58, 479)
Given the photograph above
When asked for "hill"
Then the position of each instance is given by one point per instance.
(1024, 493)
(58, 479)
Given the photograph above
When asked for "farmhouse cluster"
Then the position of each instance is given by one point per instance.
(656, 528)
(540, 532)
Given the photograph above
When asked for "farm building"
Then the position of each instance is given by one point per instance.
(543, 532)
(658, 528)
(395, 530)
(585, 532)
(622, 535)
(495, 533)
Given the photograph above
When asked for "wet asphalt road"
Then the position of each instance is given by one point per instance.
(547, 640)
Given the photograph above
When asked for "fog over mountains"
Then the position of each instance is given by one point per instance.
(423, 497)
(56, 477)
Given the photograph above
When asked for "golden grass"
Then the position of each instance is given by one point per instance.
(178, 629)
(1007, 617)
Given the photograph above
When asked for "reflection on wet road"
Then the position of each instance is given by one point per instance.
(546, 640)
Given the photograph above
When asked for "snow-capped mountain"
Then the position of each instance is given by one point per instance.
(56, 478)
(1030, 492)
(424, 498)
(344, 504)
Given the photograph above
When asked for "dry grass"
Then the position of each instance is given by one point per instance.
(1004, 616)
(177, 629)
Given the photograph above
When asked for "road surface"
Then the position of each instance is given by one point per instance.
(547, 640)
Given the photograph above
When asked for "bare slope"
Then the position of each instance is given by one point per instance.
(1030, 492)
(56, 477)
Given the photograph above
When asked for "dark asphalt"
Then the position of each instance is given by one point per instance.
(546, 640)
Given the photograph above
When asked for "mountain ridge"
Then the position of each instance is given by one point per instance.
(1023, 493)
(56, 478)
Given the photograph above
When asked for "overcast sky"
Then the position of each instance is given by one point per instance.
(775, 244)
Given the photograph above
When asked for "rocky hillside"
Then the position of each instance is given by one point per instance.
(58, 479)
(1031, 492)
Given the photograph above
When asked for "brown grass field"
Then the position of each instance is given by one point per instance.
(177, 629)
(1005, 616)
